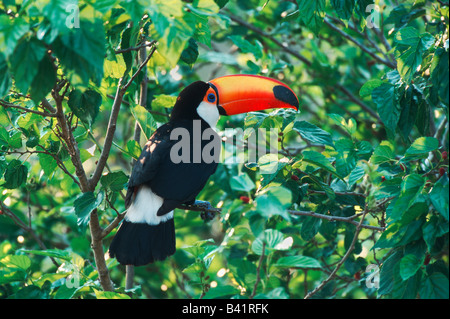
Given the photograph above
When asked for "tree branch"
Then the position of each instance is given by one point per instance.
(67, 136)
(270, 37)
(331, 218)
(26, 228)
(138, 48)
(7, 105)
(113, 122)
(359, 44)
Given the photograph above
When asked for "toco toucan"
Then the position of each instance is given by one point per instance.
(180, 156)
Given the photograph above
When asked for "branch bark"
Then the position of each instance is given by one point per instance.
(359, 44)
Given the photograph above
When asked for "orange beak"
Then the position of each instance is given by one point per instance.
(248, 93)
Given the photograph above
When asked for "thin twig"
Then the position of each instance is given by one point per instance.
(358, 44)
(26, 228)
(146, 44)
(18, 107)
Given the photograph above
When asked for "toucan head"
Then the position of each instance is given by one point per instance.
(232, 94)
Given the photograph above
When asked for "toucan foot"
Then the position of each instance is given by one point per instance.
(208, 211)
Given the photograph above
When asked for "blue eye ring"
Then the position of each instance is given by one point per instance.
(211, 97)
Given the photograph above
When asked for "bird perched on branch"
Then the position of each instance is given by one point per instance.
(180, 156)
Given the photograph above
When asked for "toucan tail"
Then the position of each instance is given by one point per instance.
(140, 243)
(143, 236)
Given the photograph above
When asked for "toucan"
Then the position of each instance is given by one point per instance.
(180, 156)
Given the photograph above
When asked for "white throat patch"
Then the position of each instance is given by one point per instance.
(209, 113)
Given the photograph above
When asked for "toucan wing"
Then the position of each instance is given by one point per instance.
(176, 183)
(147, 165)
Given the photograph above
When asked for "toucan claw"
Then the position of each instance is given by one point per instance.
(208, 211)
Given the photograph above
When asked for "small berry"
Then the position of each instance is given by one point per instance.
(295, 177)
(402, 167)
(357, 275)
(1, 212)
(383, 178)
(427, 259)
(280, 134)
(444, 155)
(245, 199)
(441, 171)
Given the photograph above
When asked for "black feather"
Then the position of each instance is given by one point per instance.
(140, 243)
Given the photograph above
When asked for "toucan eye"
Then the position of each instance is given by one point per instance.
(211, 97)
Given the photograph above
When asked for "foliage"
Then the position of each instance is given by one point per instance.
(360, 179)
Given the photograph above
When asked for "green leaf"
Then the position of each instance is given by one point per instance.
(145, 120)
(114, 181)
(312, 13)
(242, 183)
(25, 62)
(81, 52)
(190, 53)
(16, 261)
(15, 174)
(383, 153)
(85, 105)
(411, 188)
(163, 100)
(303, 262)
(59, 13)
(411, 45)
(369, 86)
(389, 272)
(14, 268)
(55, 253)
(44, 80)
(312, 133)
(134, 149)
(273, 240)
(172, 28)
(204, 7)
(343, 8)
(435, 287)
(409, 265)
(268, 164)
(310, 227)
(439, 196)
(439, 74)
(48, 163)
(346, 157)
(85, 204)
(221, 292)
(202, 32)
(384, 96)
(274, 201)
(319, 160)
(246, 47)
(11, 30)
(350, 126)
(5, 77)
(421, 147)
(110, 295)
